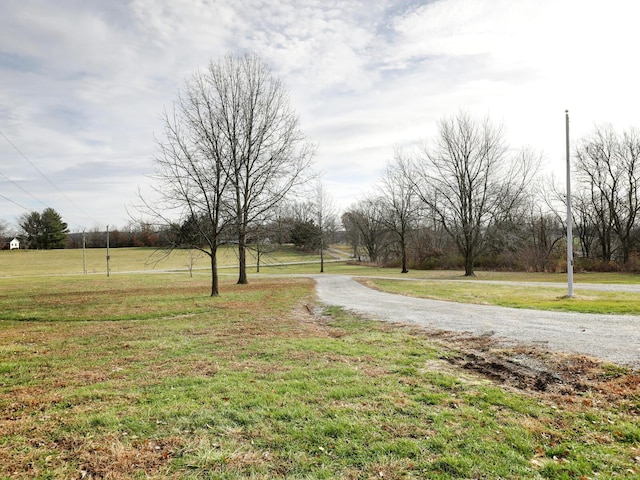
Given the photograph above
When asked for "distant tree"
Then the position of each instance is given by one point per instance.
(468, 180)
(546, 233)
(31, 225)
(400, 202)
(145, 235)
(325, 219)
(261, 243)
(365, 223)
(306, 235)
(44, 231)
(4, 229)
(585, 221)
(96, 238)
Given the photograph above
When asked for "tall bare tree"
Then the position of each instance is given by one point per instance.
(466, 178)
(232, 150)
(191, 174)
(325, 218)
(265, 153)
(400, 202)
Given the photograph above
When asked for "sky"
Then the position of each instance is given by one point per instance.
(83, 84)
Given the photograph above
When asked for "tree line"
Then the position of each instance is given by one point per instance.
(465, 198)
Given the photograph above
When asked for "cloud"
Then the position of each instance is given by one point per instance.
(84, 83)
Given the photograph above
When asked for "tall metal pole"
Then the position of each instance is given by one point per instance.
(108, 257)
(569, 216)
(84, 253)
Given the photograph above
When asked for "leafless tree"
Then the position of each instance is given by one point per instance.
(191, 171)
(608, 167)
(325, 218)
(4, 229)
(364, 223)
(400, 201)
(265, 153)
(593, 226)
(232, 149)
(468, 180)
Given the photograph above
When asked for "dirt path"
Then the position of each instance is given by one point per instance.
(615, 338)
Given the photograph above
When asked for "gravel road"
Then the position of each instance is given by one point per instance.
(615, 338)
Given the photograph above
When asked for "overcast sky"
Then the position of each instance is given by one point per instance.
(83, 83)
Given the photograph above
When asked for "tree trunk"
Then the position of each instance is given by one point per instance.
(403, 249)
(242, 259)
(214, 274)
(469, 264)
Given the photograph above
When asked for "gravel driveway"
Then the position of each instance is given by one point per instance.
(615, 338)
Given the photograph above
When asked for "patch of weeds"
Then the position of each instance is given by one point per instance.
(442, 380)
(610, 370)
(431, 398)
(628, 432)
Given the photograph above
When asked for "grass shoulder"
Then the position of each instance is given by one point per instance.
(516, 295)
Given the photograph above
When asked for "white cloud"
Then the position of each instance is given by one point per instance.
(84, 83)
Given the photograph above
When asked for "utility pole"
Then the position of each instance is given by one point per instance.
(108, 256)
(569, 216)
(84, 253)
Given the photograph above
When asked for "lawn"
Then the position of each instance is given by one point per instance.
(520, 295)
(146, 376)
(94, 260)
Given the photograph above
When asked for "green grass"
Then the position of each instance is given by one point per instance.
(145, 376)
(70, 261)
(517, 296)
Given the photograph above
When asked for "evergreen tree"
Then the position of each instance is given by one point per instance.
(44, 231)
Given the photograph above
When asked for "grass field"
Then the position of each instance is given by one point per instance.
(71, 262)
(146, 376)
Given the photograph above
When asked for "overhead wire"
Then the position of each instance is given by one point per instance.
(23, 189)
(15, 147)
(14, 202)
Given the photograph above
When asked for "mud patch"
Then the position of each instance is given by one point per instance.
(521, 371)
(567, 378)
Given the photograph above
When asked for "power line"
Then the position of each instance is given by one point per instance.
(45, 177)
(21, 188)
(14, 202)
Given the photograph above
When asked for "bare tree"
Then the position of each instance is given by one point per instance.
(4, 229)
(608, 167)
(265, 154)
(364, 223)
(400, 202)
(594, 227)
(232, 150)
(467, 179)
(325, 218)
(191, 174)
